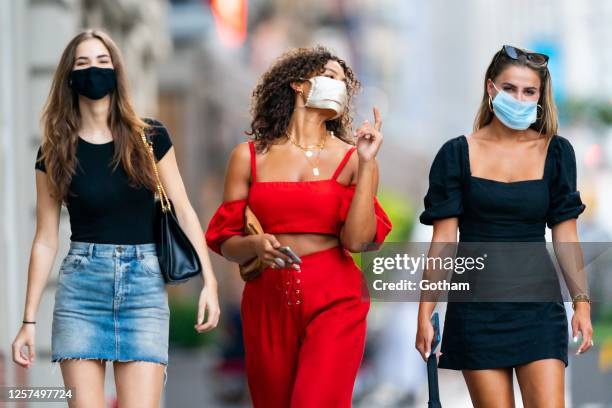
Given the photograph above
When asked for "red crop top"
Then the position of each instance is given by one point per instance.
(313, 206)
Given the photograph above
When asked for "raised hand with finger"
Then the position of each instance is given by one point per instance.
(369, 137)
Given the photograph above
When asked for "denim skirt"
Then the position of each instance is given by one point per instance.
(111, 304)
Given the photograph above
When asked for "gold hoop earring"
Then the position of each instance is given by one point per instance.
(490, 104)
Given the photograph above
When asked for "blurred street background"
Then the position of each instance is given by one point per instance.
(192, 64)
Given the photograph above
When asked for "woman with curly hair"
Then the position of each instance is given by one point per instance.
(304, 323)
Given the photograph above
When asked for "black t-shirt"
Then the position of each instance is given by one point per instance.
(102, 206)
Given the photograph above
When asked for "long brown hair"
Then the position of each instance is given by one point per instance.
(273, 99)
(61, 120)
(547, 122)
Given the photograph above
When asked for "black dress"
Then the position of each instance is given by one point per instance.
(484, 335)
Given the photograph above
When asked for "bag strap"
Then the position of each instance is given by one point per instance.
(165, 201)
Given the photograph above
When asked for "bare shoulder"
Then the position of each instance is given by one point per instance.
(239, 160)
(342, 146)
(241, 151)
(238, 173)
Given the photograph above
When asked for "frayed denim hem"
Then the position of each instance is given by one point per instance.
(56, 360)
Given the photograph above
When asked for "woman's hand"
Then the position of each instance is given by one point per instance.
(369, 138)
(424, 336)
(266, 247)
(581, 322)
(208, 305)
(25, 337)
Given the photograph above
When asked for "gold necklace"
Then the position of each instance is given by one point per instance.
(308, 152)
(307, 149)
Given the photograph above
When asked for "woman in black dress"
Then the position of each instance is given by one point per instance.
(503, 184)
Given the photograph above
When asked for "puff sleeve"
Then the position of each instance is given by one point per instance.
(383, 223)
(227, 221)
(444, 198)
(565, 202)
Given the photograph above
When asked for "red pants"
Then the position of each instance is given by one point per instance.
(304, 332)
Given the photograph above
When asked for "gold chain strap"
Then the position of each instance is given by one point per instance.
(165, 202)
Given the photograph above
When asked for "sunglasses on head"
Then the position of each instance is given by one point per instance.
(534, 58)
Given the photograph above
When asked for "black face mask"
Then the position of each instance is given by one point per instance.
(93, 82)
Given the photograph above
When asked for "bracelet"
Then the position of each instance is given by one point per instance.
(580, 298)
(27, 322)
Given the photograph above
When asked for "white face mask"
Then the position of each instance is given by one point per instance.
(327, 93)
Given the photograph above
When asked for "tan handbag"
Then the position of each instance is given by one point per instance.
(253, 267)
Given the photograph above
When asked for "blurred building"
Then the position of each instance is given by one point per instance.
(33, 35)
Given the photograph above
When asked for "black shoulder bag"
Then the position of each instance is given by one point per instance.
(178, 259)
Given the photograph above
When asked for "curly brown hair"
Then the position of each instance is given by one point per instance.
(273, 99)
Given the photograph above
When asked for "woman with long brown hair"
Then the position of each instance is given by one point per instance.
(304, 320)
(499, 188)
(111, 303)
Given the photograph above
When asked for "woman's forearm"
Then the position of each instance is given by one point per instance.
(571, 261)
(360, 225)
(443, 245)
(570, 257)
(239, 249)
(42, 257)
(425, 310)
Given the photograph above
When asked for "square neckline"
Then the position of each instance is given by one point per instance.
(469, 167)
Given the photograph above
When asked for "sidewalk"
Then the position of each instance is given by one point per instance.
(192, 383)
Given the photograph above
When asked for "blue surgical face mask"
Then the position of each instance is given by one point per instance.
(513, 113)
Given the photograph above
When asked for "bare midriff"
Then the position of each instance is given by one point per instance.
(303, 244)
